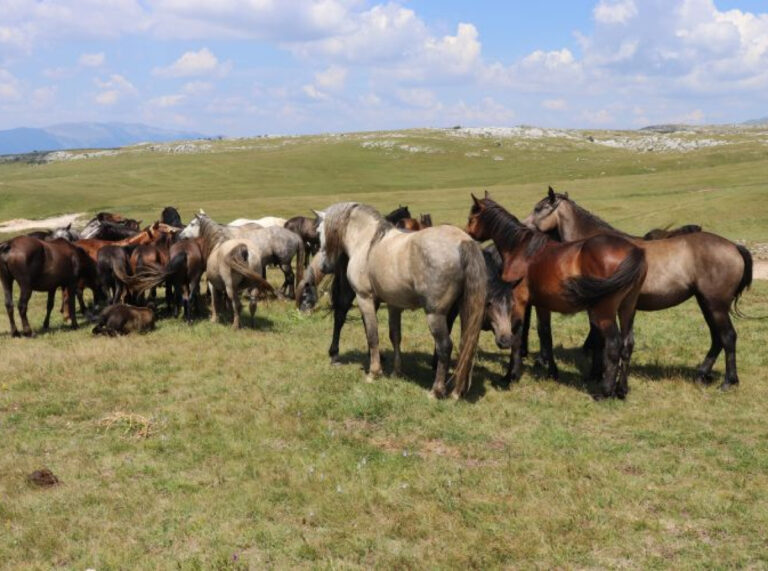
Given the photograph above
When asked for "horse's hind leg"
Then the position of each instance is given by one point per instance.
(395, 322)
(606, 323)
(438, 326)
(237, 306)
(728, 341)
(288, 287)
(71, 303)
(450, 319)
(8, 291)
(49, 308)
(341, 306)
(214, 303)
(26, 293)
(704, 371)
(626, 321)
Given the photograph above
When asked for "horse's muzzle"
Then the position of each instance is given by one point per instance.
(504, 341)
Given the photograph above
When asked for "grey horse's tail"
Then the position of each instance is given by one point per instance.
(472, 311)
(236, 259)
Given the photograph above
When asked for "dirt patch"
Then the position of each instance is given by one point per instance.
(760, 270)
(22, 224)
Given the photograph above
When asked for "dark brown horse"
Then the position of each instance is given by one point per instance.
(413, 225)
(307, 229)
(398, 214)
(112, 264)
(38, 265)
(601, 275)
(662, 233)
(154, 256)
(702, 265)
(183, 271)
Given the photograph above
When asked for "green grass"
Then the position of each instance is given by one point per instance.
(248, 450)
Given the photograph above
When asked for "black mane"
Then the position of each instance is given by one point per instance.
(507, 230)
(589, 216)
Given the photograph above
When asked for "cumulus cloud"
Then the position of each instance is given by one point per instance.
(190, 64)
(168, 100)
(113, 89)
(10, 89)
(615, 12)
(332, 78)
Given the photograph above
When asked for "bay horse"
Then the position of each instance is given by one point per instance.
(231, 264)
(600, 275)
(38, 265)
(184, 270)
(433, 270)
(706, 266)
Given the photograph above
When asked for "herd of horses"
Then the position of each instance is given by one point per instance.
(561, 258)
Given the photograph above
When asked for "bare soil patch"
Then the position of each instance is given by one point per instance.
(21, 224)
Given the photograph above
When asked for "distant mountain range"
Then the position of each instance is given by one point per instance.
(85, 136)
(763, 121)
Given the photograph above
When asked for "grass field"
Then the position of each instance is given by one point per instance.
(202, 447)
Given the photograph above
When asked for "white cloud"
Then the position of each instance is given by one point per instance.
(196, 87)
(92, 60)
(313, 92)
(191, 64)
(113, 89)
(332, 78)
(615, 12)
(44, 96)
(417, 97)
(108, 97)
(168, 100)
(555, 104)
(10, 90)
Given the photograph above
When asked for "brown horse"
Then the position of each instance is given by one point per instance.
(184, 270)
(706, 266)
(413, 225)
(307, 229)
(601, 275)
(38, 265)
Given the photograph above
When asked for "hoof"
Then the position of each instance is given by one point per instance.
(705, 379)
(29, 335)
(435, 394)
(15, 334)
(455, 395)
(726, 386)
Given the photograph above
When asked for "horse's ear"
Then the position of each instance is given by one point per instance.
(487, 194)
(202, 212)
(565, 196)
(551, 194)
(319, 213)
(476, 200)
(69, 226)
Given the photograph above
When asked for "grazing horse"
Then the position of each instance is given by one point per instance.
(398, 214)
(171, 217)
(95, 223)
(702, 265)
(184, 270)
(275, 245)
(231, 264)
(434, 269)
(662, 233)
(306, 228)
(601, 275)
(38, 265)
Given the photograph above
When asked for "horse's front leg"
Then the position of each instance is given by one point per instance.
(544, 329)
(395, 320)
(367, 307)
(49, 308)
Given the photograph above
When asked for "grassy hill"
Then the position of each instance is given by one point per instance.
(203, 447)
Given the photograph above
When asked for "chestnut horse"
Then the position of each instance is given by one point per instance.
(601, 275)
(38, 265)
(714, 270)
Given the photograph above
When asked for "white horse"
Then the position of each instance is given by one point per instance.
(266, 221)
(435, 269)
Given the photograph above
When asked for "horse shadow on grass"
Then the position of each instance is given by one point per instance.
(417, 369)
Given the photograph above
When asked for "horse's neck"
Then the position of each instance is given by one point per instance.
(358, 236)
(574, 224)
(140, 238)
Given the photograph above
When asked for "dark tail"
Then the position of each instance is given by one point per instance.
(5, 247)
(587, 291)
(301, 257)
(746, 279)
(236, 260)
(150, 276)
(472, 311)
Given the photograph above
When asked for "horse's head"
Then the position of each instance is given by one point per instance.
(192, 230)
(545, 215)
(476, 226)
(398, 214)
(67, 233)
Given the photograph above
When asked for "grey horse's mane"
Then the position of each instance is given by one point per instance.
(336, 220)
(211, 233)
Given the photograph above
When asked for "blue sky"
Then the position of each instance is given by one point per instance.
(246, 67)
